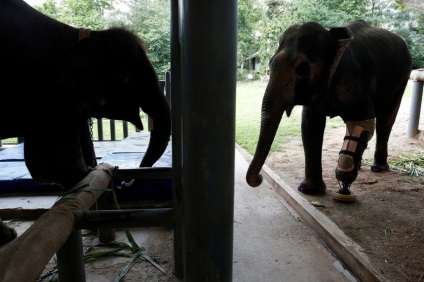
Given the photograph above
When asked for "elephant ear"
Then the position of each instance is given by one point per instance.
(82, 72)
(344, 36)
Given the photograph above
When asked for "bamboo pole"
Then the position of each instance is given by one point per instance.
(25, 258)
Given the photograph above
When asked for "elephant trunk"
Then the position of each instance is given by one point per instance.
(159, 111)
(272, 111)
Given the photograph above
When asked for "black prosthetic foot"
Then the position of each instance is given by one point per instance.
(344, 194)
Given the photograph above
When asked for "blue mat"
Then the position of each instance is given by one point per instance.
(15, 177)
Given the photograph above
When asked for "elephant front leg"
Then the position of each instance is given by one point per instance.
(87, 146)
(313, 126)
(358, 133)
(7, 233)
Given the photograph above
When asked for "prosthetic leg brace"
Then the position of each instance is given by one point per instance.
(358, 133)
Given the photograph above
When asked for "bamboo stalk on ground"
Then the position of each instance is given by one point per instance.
(25, 258)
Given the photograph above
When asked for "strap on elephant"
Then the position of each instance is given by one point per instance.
(361, 146)
(83, 33)
(344, 37)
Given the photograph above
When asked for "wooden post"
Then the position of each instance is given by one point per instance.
(25, 258)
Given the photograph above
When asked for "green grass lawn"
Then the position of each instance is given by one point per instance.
(248, 118)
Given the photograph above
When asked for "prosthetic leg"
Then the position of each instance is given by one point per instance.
(358, 133)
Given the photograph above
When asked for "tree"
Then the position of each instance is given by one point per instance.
(49, 8)
(260, 22)
(151, 20)
(85, 13)
(78, 13)
(247, 32)
(414, 36)
(417, 4)
(278, 15)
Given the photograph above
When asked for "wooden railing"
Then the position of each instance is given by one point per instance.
(102, 130)
(113, 130)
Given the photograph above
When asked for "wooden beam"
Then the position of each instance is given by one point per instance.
(25, 258)
(20, 213)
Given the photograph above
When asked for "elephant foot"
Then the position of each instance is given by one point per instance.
(7, 233)
(380, 168)
(312, 189)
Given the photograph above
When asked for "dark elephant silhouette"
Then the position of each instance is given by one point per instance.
(56, 77)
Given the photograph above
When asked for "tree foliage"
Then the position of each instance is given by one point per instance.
(280, 14)
(247, 31)
(152, 21)
(260, 22)
(78, 13)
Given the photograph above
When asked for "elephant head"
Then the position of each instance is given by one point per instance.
(112, 73)
(299, 71)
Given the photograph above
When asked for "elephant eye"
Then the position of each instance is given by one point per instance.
(302, 70)
(123, 79)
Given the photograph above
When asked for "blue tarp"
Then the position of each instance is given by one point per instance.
(15, 177)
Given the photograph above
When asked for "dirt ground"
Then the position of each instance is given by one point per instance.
(387, 220)
(156, 264)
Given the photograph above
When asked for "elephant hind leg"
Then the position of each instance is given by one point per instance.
(7, 233)
(384, 125)
(380, 156)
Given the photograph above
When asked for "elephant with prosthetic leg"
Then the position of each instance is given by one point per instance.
(358, 72)
(56, 78)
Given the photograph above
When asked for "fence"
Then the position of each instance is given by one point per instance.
(103, 130)
(112, 130)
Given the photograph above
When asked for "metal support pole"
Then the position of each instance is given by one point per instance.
(70, 259)
(176, 104)
(208, 81)
(415, 108)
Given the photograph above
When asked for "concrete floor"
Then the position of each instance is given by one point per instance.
(271, 241)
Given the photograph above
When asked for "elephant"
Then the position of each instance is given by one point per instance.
(56, 78)
(357, 72)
